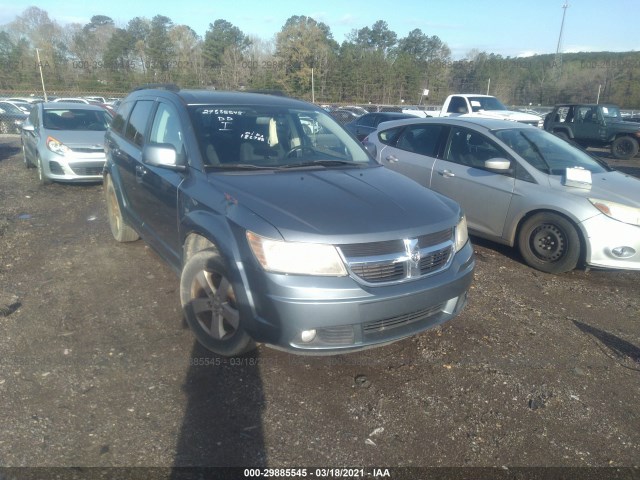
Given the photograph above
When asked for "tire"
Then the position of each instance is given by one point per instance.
(42, 178)
(27, 162)
(120, 229)
(550, 243)
(209, 305)
(624, 148)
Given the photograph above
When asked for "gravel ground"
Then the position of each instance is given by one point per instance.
(97, 367)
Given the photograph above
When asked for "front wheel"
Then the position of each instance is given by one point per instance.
(120, 229)
(550, 243)
(624, 148)
(27, 162)
(42, 176)
(210, 305)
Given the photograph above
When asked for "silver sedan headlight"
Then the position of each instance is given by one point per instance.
(618, 211)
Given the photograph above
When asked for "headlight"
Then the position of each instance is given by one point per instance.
(296, 257)
(462, 235)
(57, 146)
(618, 211)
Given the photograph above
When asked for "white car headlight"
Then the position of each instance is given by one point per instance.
(56, 146)
(618, 211)
(296, 257)
(462, 234)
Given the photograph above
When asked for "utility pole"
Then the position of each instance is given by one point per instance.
(41, 76)
(558, 59)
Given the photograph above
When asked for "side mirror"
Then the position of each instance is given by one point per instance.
(497, 165)
(161, 155)
(28, 127)
(371, 148)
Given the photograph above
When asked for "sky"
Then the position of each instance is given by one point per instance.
(515, 28)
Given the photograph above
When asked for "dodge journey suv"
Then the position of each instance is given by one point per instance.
(282, 229)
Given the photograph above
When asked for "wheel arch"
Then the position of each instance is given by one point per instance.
(567, 131)
(584, 246)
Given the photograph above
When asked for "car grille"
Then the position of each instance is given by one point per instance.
(87, 171)
(88, 149)
(399, 260)
(337, 335)
(379, 326)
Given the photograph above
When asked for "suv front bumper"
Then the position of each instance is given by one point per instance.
(339, 314)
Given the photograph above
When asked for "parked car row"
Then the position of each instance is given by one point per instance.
(284, 230)
(8, 106)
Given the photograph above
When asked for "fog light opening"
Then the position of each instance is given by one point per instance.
(623, 252)
(308, 335)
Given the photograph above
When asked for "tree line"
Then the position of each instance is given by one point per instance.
(372, 65)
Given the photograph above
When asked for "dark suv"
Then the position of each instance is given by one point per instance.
(282, 228)
(595, 125)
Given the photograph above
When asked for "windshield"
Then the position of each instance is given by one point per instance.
(486, 103)
(246, 137)
(546, 152)
(610, 111)
(9, 108)
(76, 119)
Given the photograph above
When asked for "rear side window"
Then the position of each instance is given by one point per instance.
(120, 120)
(458, 105)
(389, 137)
(422, 139)
(367, 120)
(138, 121)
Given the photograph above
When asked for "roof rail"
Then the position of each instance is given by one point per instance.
(172, 87)
(278, 93)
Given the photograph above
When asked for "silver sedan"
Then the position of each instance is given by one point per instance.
(65, 141)
(521, 186)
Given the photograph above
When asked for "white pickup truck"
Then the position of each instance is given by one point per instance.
(485, 106)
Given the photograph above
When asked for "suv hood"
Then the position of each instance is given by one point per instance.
(339, 205)
(621, 124)
(506, 115)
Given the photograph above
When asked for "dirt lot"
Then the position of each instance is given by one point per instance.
(98, 369)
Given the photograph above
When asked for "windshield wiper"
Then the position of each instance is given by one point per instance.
(325, 163)
(239, 166)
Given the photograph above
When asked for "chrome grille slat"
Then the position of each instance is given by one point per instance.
(394, 261)
(380, 272)
(433, 239)
(372, 249)
(435, 260)
(400, 320)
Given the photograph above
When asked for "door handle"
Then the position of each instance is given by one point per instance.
(391, 159)
(446, 173)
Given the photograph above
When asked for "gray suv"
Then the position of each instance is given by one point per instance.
(282, 228)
